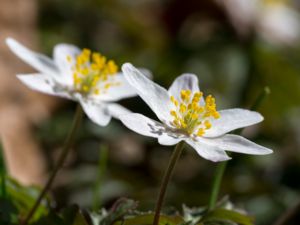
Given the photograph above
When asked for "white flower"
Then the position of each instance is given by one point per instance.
(78, 75)
(275, 21)
(186, 116)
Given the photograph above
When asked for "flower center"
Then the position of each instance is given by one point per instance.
(190, 115)
(93, 73)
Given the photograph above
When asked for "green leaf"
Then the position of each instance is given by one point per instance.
(24, 198)
(122, 207)
(220, 214)
(51, 219)
(147, 219)
(69, 216)
(73, 216)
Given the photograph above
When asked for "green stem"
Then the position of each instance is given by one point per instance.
(221, 167)
(260, 98)
(100, 177)
(216, 184)
(167, 176)
(66, 149)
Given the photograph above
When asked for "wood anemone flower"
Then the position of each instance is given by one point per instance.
(79, 75)
(185, 115)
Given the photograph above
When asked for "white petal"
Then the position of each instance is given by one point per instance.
(169, 139)
(98, 113)
(60, 54)
(236, 143)
(40, 62)
(154, 95)
(44, 84)
(146, 72)
(184, 82)
(151, 128)
(232, 119)
(142, 124)
(116, 92)
(116, 110)
(208, 152)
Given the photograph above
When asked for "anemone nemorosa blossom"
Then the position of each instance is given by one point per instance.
(186, 115)
(79, 75)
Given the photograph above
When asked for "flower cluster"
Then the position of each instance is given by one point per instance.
(184, 113)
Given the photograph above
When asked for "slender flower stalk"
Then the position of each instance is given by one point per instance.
(103, 153)
(287, 217)
(165, 181)
(65, 151)
(221, 167)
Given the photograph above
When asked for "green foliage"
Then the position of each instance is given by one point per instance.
(69, 216)
(8, 212)
(124, 212)
(229, 216)
(18, 201)
(119, 210)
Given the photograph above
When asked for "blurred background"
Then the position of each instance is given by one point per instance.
(236, 47)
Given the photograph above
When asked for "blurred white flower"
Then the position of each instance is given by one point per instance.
(186, 116)
(273, 20)
(279, 23)
(78, 75)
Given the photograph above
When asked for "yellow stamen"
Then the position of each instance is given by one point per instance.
(192, 114)
(69, 58)
(91, 70)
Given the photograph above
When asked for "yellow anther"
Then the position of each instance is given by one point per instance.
(182, 108)
(185, 95)
(176, 123)
(207, 124)
(183, 124)
(86, 52)
(198, 94)
(200, 132)
(112, 67)
(182, 94)
(201, 110)
(85, 71)
(216, 115)
(85, 88)
(173, 113)
(195, 106)
(172, 98)
(195, 116)
(174, 101)
(107, 86)
(69, 58)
